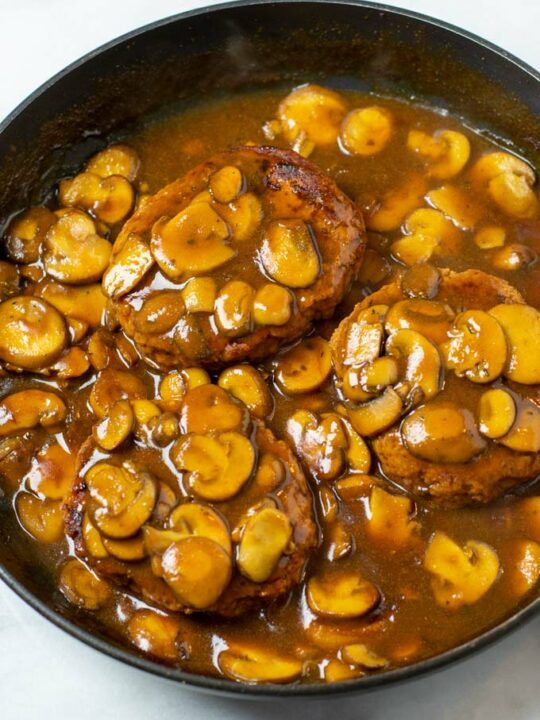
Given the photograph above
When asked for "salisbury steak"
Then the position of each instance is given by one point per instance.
(203, 510)
(446, 384)
(235, 259)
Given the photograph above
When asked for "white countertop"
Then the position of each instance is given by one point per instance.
(47, 675)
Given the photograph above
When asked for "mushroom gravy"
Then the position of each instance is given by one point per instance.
(391, 578)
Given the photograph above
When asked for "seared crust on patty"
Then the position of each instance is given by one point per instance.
(495, 470)
(287, 186)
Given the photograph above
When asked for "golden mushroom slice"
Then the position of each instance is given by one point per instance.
(390, 518)
(489, 237)
(442, 432)
(86, 303)
(234, 308)
(226, 184)
(26, 233)
(431, 318)
(217, 467)
(428, 232)
(305, 367)
(130, 550)
(243, 216)
(357, 453)
(29, 408)
(33, 334)
(477, 347)
(272, 305)
(461, 575)
(118, 159)
(199, 295)
(362, 383)
(363, 343)
(115, 427)
(524, 436)
(289, 253)
(73, 251)
(255, 665)
(266, 536)
(359, 654)
(193, 242)
(421, 365)
(514, 256)
(247, 384)
(509, 182)
(446, 152)
(191, 518)
(496, 413)
(42, 519)
(341, 595)
(210, 408)
(128, 267)
(197, 569)
(109, 199)
(525, 570)
(366, 131)
(373, 417)
(313, 110)
(320, 444)
(113, 385)
(93, 542)
(81, 587)
(52, 472)
(155, 633)
(159, 313)
(521, 323)
(392, 209)
(455, 204)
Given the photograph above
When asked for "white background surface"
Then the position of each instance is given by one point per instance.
(45, 674)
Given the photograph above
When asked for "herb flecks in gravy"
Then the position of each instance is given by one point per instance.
(335, 498)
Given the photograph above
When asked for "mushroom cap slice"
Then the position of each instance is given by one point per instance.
(32, 332)
(421, 377)
(255, 665)
(377, 415)
(265, 538)
(304, 367)
(342, 595)
(521, 323)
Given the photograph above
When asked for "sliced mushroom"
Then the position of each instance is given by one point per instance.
(442, 432)
(73, 251)
(113, 385)
(86, 303)
(197, 569)
(337, 671)
(209, 408)
(32, 332)
(360, 655)
(456, 205)
(128, 267)
(477, 347)
(524, 436)
(272, 305)
(521, 323)
(321, 445)
(234, 308)
(159, 313)
(447, 152)
(72, 364)
(363, 341)
(509, 182)
(193, 242)
(30, 408)
(461, 575)
(199, 295)
(314, 110)
(366, 131)
(421, 365)
(428, 232)
(389, 213)
(155, 633)
(430, 318)
(130, 550)
(496, 413)
(243, 216)
(81, 587)
(255, 665)
(191, 518)
(514, 256)
(390, 518)
(42, 519)
(304, 367)
(341, 595)
(52, 472)
(115, 427)
(165, 429)
(226, 184)
(26, 233)
(289, 253)
(357, 453)
(489, 237)
(525, 570)
(118, 159)
(377, 415)
(265, 538)
(362, 383)
(217, 467)
(270, 473)
(247, 384)
(109, 199)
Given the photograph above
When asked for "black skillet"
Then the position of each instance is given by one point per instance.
(230, 49)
